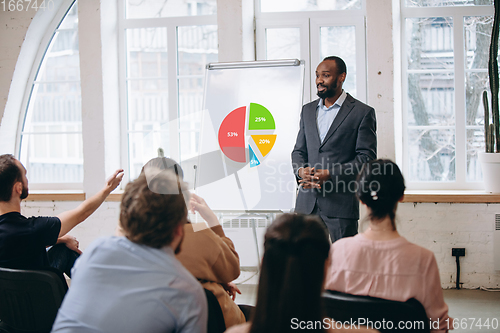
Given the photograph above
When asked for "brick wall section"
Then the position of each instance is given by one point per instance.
(441, 227)
(438, 227)
(102, 223)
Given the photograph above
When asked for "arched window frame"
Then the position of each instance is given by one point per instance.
(41, 32)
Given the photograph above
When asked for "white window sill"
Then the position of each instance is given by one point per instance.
(65, 195)
(436, 196)
(451, 196)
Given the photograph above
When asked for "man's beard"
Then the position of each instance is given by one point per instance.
(329, 91)
(24, 194)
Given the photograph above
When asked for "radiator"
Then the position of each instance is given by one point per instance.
(496, 243)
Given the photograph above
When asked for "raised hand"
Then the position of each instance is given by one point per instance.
(197, 204)
(113, 181)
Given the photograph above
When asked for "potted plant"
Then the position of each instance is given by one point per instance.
(490, 159)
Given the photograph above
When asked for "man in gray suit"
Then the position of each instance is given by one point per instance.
(337, 136)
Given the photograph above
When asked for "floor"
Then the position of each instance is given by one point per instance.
(472, 309)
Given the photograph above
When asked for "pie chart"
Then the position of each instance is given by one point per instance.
(234, 134)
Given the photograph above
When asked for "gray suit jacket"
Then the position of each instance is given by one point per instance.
(350, 142)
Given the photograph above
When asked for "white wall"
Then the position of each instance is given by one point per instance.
(13, 28)
(380, 72)
(441, 227)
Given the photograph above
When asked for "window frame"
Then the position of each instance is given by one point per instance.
(457, 13)
(171, 24)
(51, 30)
(309, 23)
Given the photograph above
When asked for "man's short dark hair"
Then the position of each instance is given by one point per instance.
(9, 175)
(149, 217)
(341, 66)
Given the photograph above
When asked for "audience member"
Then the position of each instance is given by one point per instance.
(379, 262)
(291, 279)
(23, 241)
(207, 253)
(135, 283)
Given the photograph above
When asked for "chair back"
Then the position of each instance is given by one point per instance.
(215, 322)
(30, 299)
(373, 312)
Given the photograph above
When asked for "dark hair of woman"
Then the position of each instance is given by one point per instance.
(380, 186)
(296, 248)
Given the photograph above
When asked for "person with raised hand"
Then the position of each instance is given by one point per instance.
(207, 252)
(211, 257)
(23, 241)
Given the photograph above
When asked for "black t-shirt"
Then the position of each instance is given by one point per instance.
(23, 240)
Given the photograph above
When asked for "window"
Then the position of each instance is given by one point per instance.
(444, 65)
(308, 5)
(163, 8)
(51, 138)
(312, 30)
(164, 74)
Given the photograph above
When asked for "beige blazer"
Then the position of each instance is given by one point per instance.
(210, 256)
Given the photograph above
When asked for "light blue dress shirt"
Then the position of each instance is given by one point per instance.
(122, 287)
(325, 116)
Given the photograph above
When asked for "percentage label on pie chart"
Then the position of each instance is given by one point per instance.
(234, 137)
